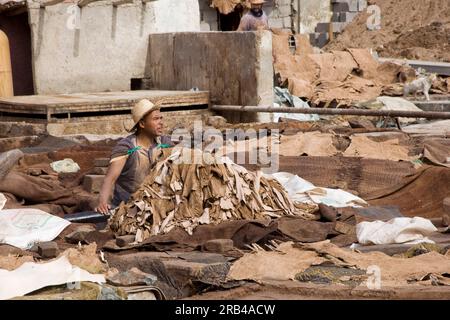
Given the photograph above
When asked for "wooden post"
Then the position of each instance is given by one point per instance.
(330, 27)
(6, 81)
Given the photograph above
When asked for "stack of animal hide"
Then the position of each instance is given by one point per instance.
(190, 187)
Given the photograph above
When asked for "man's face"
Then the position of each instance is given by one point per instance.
(257, 7)
(152, 123)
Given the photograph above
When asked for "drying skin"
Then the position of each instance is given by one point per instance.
(180, 194)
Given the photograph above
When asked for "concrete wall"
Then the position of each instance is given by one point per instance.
(105, 47)
(281, 14)
(214, 61)
(312, 12)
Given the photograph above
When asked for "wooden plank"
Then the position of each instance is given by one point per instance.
(207, 60)
(108, 101)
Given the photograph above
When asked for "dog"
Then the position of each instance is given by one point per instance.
(422, 84)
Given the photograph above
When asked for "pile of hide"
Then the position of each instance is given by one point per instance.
(342, 77)
(180, 192)
(228, 6)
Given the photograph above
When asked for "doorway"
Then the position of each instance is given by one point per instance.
(230, 22)
(15, 25)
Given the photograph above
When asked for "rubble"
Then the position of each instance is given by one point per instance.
(48, 249)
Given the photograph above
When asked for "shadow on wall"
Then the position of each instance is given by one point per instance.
(17, 29)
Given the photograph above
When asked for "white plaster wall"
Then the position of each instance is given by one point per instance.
(313, 12)
(106, 48)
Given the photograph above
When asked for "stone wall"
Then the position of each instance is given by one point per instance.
(281, 13)
(299, 15)
(104, 46)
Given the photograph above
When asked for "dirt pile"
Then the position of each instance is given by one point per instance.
(412, 29)
(337, 77)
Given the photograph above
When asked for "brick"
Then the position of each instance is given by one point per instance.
(276, 23)
(101, 162)
(79, 235)
(93, 183)
(319, 39)
(48, 249)
(219, 245)
(336, 17)
(341, 7)
(339, 26)
(352, 4)
(347, 16)
(125, 240)
(100, 171)
(322, 27)
(362, 5)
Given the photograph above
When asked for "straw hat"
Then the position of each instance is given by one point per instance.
(257, 1)
(141, 109)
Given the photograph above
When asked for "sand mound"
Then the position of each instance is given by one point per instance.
(413, 29)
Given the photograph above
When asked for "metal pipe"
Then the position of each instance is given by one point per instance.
(329, 111)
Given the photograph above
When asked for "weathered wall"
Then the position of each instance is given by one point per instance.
(281, 14)
(106, 48)
(284, 14)
(208, 17)
(214, 61)
(313, 12)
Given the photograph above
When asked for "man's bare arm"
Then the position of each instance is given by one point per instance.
(114, 170)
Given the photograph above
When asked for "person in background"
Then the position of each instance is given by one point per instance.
(255, 19)
(131, 157)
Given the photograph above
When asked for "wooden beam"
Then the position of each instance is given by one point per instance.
(331, 111)
(83, 3)
(117, 3)
(50, 3)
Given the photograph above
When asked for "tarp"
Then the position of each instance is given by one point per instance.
(23, 227)
(437, 151)
(397, 230)
(300, 190)
(292, 258)
(420, 194)
(283, 96)
(32, 276)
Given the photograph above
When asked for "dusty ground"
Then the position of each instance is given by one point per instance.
(412, 29)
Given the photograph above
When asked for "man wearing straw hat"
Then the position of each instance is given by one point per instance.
(255, 19)
(131, 157)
